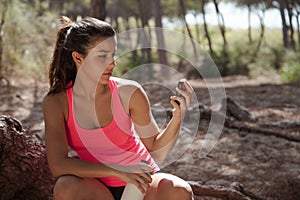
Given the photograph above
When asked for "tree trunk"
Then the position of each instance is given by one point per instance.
(98, 9)
(290, 7)
(297, 9)
(202, 3)
(146, 42)
(249, 24)
(2, 21)
(298, 27)
(24, 170)
(284, 25)
(236, 191)
(134, 53)
(183, 13)
(157, 11)
(221, 24)
(198, 39)
(262, 34)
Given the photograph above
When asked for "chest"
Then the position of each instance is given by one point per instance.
(104, 109)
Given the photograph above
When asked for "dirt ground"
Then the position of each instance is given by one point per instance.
(268, 166)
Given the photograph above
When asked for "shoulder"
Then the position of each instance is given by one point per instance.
(126, 83)
(54, 99)
(131, 93)
(55, 103)
(129, 88)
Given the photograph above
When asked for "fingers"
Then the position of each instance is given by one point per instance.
(146, 176)
(147, 171)
(175, 99)
(186, 93)
(141, 176)
(141, 181)
(146, 168)
(188, 86)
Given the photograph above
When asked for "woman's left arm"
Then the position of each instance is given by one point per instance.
(158, 143)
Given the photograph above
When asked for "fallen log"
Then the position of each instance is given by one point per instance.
(24, 172)
(258, 129)
(237, 117)
(235, 110)
(235, 192)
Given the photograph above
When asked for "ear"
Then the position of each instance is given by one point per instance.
(77, 57)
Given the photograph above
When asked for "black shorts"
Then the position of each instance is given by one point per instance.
(116, 191)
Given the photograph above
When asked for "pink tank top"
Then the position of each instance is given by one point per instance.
(116, 143)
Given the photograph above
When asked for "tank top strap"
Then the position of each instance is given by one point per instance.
(118, 109)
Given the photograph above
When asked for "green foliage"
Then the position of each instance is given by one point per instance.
(290, 69)
(290, 72)
(26, 40)
(125, 63)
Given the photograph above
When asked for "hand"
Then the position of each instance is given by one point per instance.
(139, 175)
(184, 102)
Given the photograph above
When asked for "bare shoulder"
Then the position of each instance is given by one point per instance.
(54, 99)
(129, 89)
(55, 104)
(126, 84)
(131, 93)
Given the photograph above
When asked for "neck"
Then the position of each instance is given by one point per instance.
(102, 88)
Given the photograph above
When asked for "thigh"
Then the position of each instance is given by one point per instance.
(168, 186)
(72, 187)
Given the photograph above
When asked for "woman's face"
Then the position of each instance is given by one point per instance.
(100, 60)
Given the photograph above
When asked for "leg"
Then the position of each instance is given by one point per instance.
(167, 186)
(72, 187)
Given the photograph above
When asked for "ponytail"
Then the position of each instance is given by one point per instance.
(62, 68)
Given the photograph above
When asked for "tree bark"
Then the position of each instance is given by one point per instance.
(239, 118)
(262, 34)
(249, 24)
(98, 9)
(157, 11)
(202, 3)
(290, 7)
(198, 39)
(284, 24)
(221, 23)
(2, 21)
(182, 9)
(297, 8)
(146, 42)
(235, 192)
(24, 170)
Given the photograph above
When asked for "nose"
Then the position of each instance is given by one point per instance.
(112, 60)
(113, 64)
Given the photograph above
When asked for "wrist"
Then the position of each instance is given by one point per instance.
(176, 119)
(112, 170)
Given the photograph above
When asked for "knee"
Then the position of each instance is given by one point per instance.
(65, 187)
(182, 192)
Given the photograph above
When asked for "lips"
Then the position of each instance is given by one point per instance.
(107, 73)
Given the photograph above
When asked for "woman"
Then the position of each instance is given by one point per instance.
(97, 115)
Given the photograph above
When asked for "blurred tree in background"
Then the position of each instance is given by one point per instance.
(28, 27)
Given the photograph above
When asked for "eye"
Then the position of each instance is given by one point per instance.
(103, 56)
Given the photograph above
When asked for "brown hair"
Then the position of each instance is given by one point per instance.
(73, 36)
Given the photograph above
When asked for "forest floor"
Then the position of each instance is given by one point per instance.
(266, 165)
